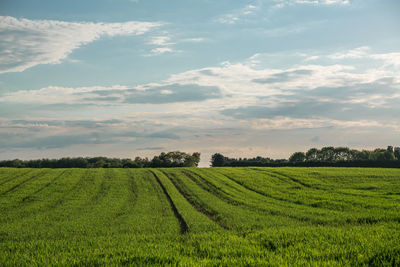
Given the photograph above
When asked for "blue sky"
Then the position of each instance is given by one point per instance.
(131, 78)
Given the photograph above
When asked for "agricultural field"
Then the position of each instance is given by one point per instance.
(193, 216)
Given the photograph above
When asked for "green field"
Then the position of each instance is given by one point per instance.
(190, 216)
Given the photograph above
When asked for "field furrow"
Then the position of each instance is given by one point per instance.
(199, 205)
(53, 180)
(7, 174)
(182, 223)
(17, 184)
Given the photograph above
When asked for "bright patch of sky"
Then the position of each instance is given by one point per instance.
(245, 78)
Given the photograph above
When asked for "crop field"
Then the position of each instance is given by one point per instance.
(193, 216)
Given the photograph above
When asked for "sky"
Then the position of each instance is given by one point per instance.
(127, 78)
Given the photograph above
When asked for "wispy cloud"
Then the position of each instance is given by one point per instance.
(193, 40)
(238, 15)
(161, 50)
(282, 3)
(359, 52)
(160, 40)
(287, 123)
(98, 95)
(27, 43)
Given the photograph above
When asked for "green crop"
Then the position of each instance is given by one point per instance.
(200, 217)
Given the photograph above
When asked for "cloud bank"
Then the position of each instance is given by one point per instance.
(348, 96)
(26, 43)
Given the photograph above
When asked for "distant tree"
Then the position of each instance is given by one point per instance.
(312, 154)
(397, 153)
(361, 155)
(327, 154)
(192, 160)
(176, 159)
(297, 157)
(342, 154)
(380, 154)
(217, 160)
(389, 156)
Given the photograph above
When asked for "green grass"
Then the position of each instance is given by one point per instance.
(210, 217)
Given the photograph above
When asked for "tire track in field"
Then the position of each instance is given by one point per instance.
(104, 187)
(350, 221)
(100, 192)
(14, 176)
(265, 194)
(196, 203)
(228, 198)
(131, 200)
(133, 187)
(241, 191)
(217, 192)
(278, 213)
(315, 187)
(49, 207)
(213, 189)
(271, 211)
(238, 202)
(259, 192)
(24, 182)
(25, 201)
(329, 191)
(276, 174)
(101, 198)
(66, 194)
(183, 225)
(319, 188)
(46, 185)
(111, 176)
(79, 203)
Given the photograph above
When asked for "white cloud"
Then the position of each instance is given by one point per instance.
(161, 50)
(228, 19)
(243, 84)
(57, 94)
(245, 80)
(311, 58)
(359, 52)
(27, 43)
(390, 59)
(282, 3)
(193, 40)
(160, 40)
(237, 15)
(287, 123)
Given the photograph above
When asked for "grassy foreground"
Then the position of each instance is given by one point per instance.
(188, 216)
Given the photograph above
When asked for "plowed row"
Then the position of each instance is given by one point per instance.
(190, 216)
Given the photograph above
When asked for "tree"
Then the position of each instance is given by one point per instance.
(342, 154)
(397, 153)
(297, 157)
(217, 160)
(193, 160)
(312, 154)
(327, 154)
(382, 155)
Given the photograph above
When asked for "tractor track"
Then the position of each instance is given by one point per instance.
(198, 205)
(183, 225)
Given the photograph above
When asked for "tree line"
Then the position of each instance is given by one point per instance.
(164, 160)
(326, 156)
